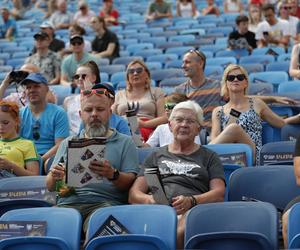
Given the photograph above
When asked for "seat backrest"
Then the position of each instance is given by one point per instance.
(293, 229)
(289, 87)
(143, 153)
(280, 152)
(233, 217)
(275, 184)
(229, 149)
(290, 132)
(140, 219)
(64, 223)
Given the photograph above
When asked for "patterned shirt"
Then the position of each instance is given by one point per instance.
(49, 64)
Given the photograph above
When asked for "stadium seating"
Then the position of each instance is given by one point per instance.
(232, 225)
(293, 230)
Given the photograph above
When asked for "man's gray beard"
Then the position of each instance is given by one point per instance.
(96, 131)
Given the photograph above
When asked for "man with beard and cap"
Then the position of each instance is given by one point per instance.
(118, 169)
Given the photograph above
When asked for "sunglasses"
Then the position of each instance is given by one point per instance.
(76, 43)
(137, 70)
(78, 76)
(98, 92)
(287, 8)
(240, 77)
(35, 130)
(198, 53)
(170, 106)
(7, 108)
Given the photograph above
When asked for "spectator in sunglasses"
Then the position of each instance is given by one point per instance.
(150, 100)
(71, 62)
(44, 123)
(118, 170)
(87, 75)
(84, 15)
(18, 155)
(162, 134)
(239, 120)
(284, 9)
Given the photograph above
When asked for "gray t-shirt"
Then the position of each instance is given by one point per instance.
(185, 174)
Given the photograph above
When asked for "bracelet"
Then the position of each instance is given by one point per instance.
(193, 200)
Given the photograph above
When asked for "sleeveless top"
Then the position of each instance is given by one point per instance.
(250, 122)
(186, 10)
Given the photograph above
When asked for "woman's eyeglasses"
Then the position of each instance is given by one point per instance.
(136, 70)
(287, 7)
(98, 92)
(78, 76)
(240, 77)
(35, 130)
(170, 106)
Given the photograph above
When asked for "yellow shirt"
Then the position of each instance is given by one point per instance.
(18, 151)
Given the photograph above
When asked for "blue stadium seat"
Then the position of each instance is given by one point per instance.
(252, 67)
(226, 149)
(263, 59)
(118, 77)
(274, 77)
(232, 225)
(172, 82)
(293, 229)
(63, 229)
(290, 132)
(179, 50)
(277, 153)
(147, 52)
(113, 68)
(262, 88)
(259, 183)
(125, 60)
(61, 92)
(266, 51)
(181, 38)
(278, 66)
(289, 87)
(213, 71)
(144, 223)
(163, 58)
(139, 46)
(221, 61)
(158, 75)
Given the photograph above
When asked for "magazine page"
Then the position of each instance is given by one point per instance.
(155, 185)
(10, 229)
(80, 153)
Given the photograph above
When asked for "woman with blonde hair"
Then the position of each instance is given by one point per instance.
(18, 155)
(149, 101)
(239, 120)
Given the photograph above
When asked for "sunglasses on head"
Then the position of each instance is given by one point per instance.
(240, 77)
(7, 108)
(198, 53)
(98, 92)
(78, 76)
(35, 130)
(136, 70)
(170, 105)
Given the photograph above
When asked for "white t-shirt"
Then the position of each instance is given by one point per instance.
(72, 107)
(277, 31)
(163, 136)
(293, 22)
(84, 20)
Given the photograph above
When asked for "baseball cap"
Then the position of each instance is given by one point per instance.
(41, 35)
(36, 78)
(77, 38)
(105, 85)
(47, 24)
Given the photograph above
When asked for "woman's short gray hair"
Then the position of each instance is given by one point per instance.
(191, 105)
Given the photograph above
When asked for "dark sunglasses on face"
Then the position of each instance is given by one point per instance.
(170, 106)
(137, 70)
(240, 77)
(35, 130)
(287, 7)
(78, 76)
(98, 92)
(76, 43)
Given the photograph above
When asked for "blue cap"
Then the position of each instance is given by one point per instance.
(36, 78)
(105, 85)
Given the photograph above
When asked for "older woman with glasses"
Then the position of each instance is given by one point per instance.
(139, 93)
(18, 155)
(239, 120)
(190, 174)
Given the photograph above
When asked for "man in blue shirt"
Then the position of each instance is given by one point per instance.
(44, 123)
(8, 28)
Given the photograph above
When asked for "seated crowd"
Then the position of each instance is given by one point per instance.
(34, 130)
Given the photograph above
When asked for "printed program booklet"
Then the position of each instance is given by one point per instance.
(10, 229)
(80, 153)
(155, 185)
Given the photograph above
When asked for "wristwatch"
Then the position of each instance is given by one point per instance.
(115, 175)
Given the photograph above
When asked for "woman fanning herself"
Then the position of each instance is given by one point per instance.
(239, 121)
(139, 93)
(17, 155)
